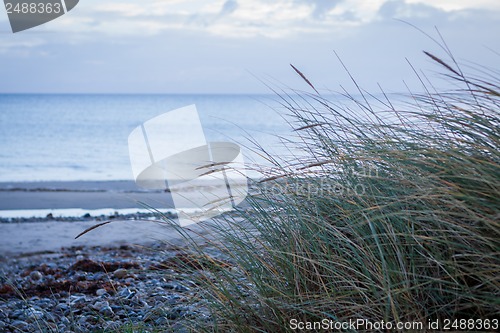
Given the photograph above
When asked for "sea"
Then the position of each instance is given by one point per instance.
(80, 137)
(67, 155)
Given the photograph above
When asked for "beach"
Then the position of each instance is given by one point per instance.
(124, 272)
(45, 216)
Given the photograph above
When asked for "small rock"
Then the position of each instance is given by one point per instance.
(34, 314)
(180, 312)
(45, 303)
(106, 311)
(16, 314)
(180, 328)
(80, 257)
(126, 293)
(130, 280)
(62, 308)
(100, 304)
(101, 292)
(116, 307)
(82, 320)
(49, 317)
(162, 321)
(120, 273)
(21, 325)
(97, 277)
(77, 299)
(112, 326)
(175, 287)
(65, 321)
(36, 275)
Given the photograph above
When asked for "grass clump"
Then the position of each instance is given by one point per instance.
(389, 213)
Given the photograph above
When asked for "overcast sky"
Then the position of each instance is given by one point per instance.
(219, 46)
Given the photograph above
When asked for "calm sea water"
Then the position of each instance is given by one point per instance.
(84, 137)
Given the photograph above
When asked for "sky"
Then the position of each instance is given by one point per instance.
(244, 46)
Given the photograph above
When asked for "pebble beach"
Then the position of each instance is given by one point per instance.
(130, 273)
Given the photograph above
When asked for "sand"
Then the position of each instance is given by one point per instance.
(34, 237)
(50, 235)
(79, 194)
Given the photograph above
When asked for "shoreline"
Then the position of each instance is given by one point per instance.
(86, 195)
(46, 216)
(33, 237)
(96, 195)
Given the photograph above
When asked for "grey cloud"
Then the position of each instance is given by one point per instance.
(205, 20)
(229, 7)
(321, 7)
(399, 9)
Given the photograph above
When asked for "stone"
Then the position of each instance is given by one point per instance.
(180, 312)
(101, 292)
(21, 325)
(34, 314)
(120, 273)
(45, 303)
(36, 276)
(112, 326)
(77, 299)
(100, 304)
(62, 308)
(162, 321)
(175, 287)
(17, 314)
(126, 293)
(106, 311)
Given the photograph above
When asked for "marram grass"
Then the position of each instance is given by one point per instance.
(387, 214)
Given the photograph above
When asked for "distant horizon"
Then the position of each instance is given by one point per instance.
(288, 92)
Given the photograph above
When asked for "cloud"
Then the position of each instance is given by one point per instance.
(195, 46)
(249, 18)
(229, 7)
(452, 5)
(401, 10)
(321, 7)
(21, 46)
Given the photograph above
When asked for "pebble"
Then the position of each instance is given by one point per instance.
(100, 304)
(120, 273)
(176, 287)
(21, 325)
(36, 275)
(126, 293)
(101, 292)
(33, 314)
(62, 308)
(106, 311)
(64, 298)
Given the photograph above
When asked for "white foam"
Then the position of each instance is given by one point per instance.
(75, 212)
